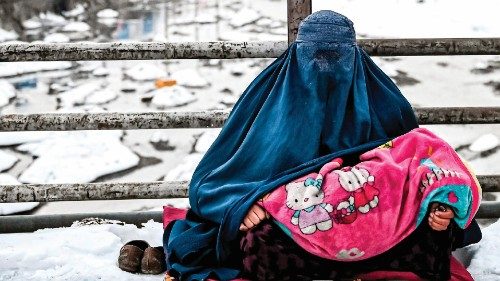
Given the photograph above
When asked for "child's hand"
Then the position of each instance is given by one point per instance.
(439, 219)
(255, 215)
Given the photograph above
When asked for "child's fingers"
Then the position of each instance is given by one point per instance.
(248, 223)
(445, 215)
(436, 226)
(439, 220)
(259, 212)
(253, 217)
(243, 227)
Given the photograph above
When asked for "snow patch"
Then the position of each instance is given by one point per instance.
(485, 262)
(33, 23)
(7, 160)
(101, 96)
(74, 253)
(204, 142)
(14, 138)
(484, 143)
(51, 19)
(145, 72)
(7, 92)
(9, 69)
(243, 17)
(56, 38)
(78, 95)
(7, 35)
(107, 13)
(77, 157)
(190, 78)
(76, 26)
(78, 10)
(100, 72)
(184, 171)
(173, 96)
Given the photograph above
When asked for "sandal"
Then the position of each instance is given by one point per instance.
(153, 261)
(131, 255)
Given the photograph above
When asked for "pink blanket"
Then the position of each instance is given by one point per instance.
(353, 213)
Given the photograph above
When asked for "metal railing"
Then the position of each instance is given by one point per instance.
(233, 50)
(297, 10)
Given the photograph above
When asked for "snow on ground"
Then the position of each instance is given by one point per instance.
(13, 138)
(90, 252)
(484, 143)
(243, 17)
(77, 157)
(107, 13)
(7, 160)
(51, 19)
(7, 92)
(7, 35)
(483, 258)
(184, 171)
(8, 69)
(78, 10)
(173, 96)
(204, 142)
(145, 71)
(190, 78)
(12, 208)
(32, 23)
(76, 26)
(100, 72)
(56, 38)
(102, 96)
(87, 252)
(78, 95)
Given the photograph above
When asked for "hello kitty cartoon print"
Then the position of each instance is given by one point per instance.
(306, 198)
(363, 195)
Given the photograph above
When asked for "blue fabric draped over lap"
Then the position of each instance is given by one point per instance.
(322, 98)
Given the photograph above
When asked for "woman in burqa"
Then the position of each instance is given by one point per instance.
(323, 98)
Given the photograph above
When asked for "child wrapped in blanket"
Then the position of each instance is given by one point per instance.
(356, 213)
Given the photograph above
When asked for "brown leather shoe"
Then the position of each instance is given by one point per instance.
(153, 261)
(131, 255)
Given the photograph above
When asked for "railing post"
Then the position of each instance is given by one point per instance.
(297, 10)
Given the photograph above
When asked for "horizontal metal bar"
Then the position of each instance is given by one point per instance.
(489, 183)
(30, 223)
(431, 46)
(458, 115)
(140, 51)
(204, 119)
(488, 210)
(93, 191)
(231, 49)
(121, 191)
(111, 121)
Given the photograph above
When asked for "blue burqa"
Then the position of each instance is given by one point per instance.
(322, 98)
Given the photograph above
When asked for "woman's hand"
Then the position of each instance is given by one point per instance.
(255, 215)
(440, 219)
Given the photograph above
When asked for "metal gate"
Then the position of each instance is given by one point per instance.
(297, 10)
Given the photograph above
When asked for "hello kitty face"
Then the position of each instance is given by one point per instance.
(353, 179)
(299, 196)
